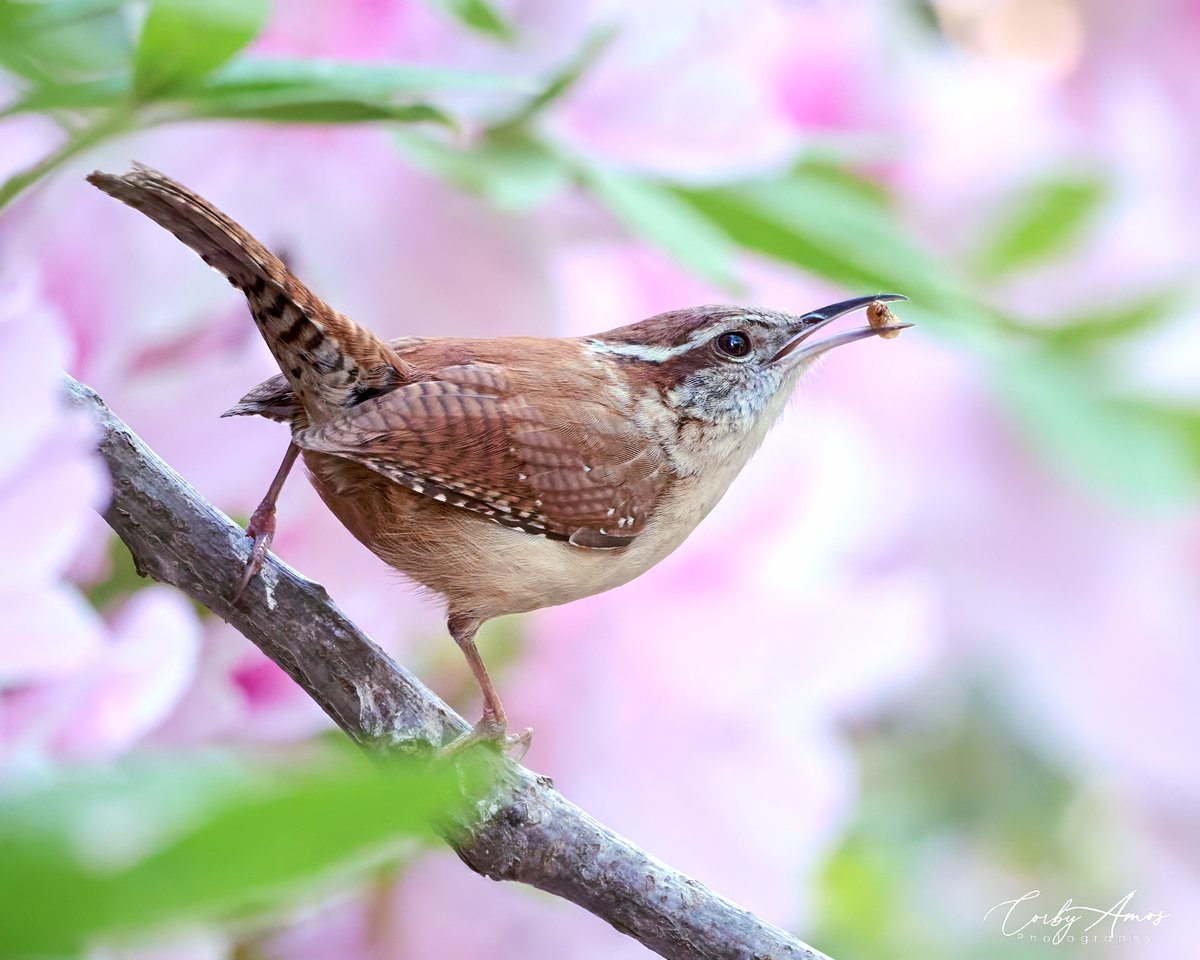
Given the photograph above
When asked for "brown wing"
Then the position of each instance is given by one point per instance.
(466, 439)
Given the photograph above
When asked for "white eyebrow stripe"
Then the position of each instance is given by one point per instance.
(653, 353)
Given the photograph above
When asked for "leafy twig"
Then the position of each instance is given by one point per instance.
(110, 125)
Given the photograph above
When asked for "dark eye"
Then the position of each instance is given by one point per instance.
(734, 344)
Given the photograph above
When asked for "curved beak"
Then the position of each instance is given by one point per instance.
(799, 348)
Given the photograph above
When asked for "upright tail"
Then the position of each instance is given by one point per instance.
(329, 361)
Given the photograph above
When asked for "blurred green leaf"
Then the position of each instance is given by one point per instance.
(122, 580)
(294, 91)
(1089, 331)
(1178, 420)
(862, 904)
(250, 87)
(28, 17)
(108, 125)
(479, 15)
(58, 41)
(257, 75)
(960, 781)
(132, 850)
(509, 167)
(822, 164)
(1107, 442)
(318, 110)
(1047, 219)
(183, 40)
(87, 95)
(831, 230)
(661, 216)
(325, 91)
(561, 81)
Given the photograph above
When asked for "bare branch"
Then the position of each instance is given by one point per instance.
(529, 832)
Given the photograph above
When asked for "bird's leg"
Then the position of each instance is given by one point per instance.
(261, 527)
(493, 725)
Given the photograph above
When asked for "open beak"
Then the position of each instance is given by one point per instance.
(802, 348)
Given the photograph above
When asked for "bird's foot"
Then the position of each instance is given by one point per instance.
(261, 529)
(493, 731)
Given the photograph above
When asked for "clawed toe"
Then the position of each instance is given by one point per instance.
(262, 529)
(493, 732)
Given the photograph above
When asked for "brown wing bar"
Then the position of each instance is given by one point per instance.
(466, 440)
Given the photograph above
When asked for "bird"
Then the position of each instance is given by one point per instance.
(511, 473)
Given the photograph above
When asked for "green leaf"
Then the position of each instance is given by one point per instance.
(106, 854)
(36, 17)
(106, 126)
(184, 40)
(837, 232)
(955, 779)
(654, 212)
(1108, 442)
(88, 95)
(509, 167)
(285, 109)
(256, 75)
(561, 81)
(1048, 219)
(481, 16)
(1087, 332)
(63, 40)
(1181, 421)
(825, 166)
(326, 91)
(247, 86)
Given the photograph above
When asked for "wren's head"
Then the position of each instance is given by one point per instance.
(730, 365)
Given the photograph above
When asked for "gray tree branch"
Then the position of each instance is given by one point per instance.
(529, 832)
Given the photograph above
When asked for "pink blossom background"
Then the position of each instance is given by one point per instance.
(900, 551)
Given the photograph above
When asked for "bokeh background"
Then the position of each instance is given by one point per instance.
(940, 644)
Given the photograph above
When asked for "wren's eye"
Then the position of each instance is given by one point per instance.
(733, 344)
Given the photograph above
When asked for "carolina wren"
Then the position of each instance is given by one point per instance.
(512, 473)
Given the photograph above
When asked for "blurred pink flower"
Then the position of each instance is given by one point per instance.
(350, 923)
(354, 29)
(425, 917)
(127, 689)
(27, 139)
(50, 481)
(238, 696)
(76, 686)
(683, 89)
(971, 132)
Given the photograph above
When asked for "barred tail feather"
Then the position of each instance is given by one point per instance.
(221, 243)
(327, 359)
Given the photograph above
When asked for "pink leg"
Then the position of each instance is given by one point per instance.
(261, 527)
(493, 726)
